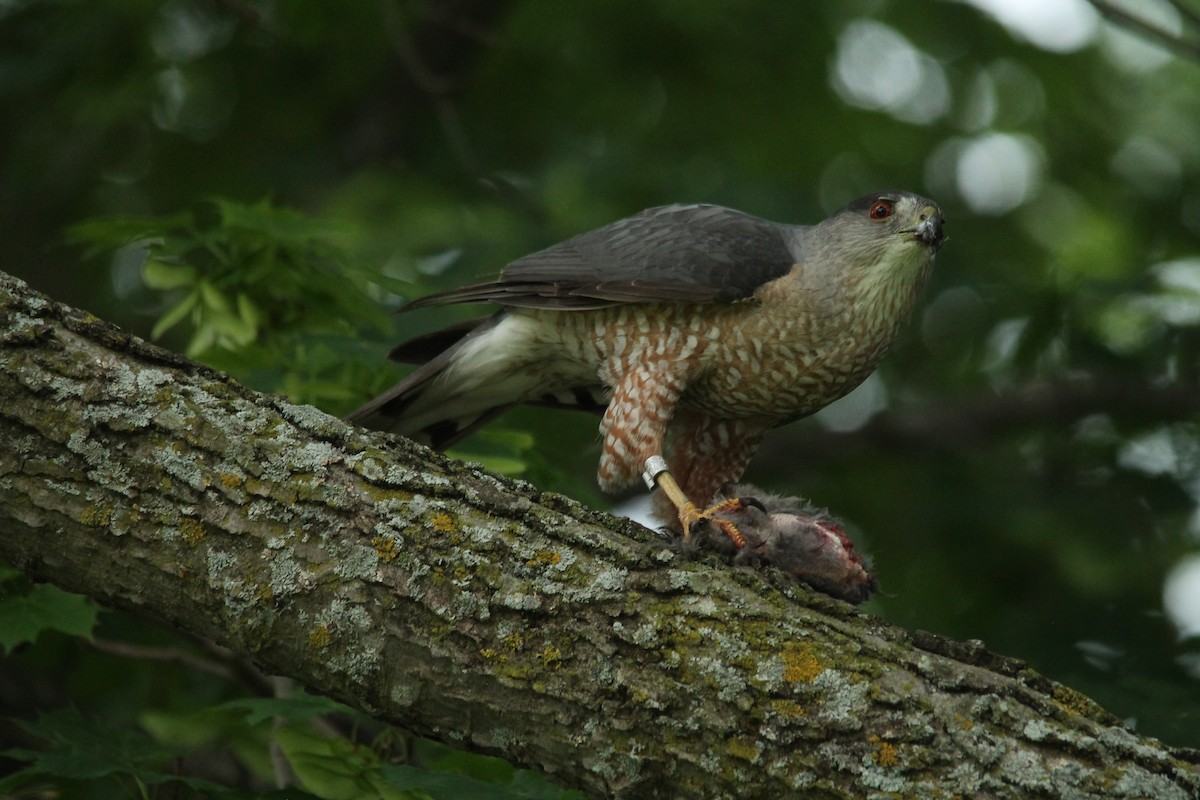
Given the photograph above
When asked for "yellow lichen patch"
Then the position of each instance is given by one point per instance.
(96, 516)
(638, 695)
(230, 480)
(492, 654)
(1072, 701)
(385, 548)
(885, 754)
(514, 641)
(788, 708)
(551, 657)
(544, 558)
(193, 531)
(442, 523)
(744, 749)
(320, 637)
(800, 664)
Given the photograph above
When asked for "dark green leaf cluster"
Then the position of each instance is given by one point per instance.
(262, 291)
(28, 610)
(314, 747)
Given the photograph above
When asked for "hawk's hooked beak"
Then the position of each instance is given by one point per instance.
(929, 229)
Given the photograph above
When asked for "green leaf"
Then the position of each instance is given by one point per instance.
(44, 607)
(213, 298)
(335, 768)
(78, 749)
(204, 338)
(282, 225)
(176, 314)
(444, 771)
(161, 275)
(248, 312)
(301, 707)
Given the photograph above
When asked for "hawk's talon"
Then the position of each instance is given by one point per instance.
(658, 475)
(726, 527)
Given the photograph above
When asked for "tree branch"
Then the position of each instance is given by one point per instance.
(964, 425)
(1179, 43)
(485, 613)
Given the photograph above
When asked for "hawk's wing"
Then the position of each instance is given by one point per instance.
(677, 253)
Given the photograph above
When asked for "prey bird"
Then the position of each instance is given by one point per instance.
(695, 329)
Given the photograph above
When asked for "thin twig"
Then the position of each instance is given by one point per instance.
(1176, 43)
(141, 652)
(1186, 11)
(436, 87)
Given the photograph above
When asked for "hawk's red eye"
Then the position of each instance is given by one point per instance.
(882, 209)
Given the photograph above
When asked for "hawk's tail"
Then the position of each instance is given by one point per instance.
(447, 397)
(472, 373)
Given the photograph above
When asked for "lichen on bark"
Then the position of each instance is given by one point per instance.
(492, 615)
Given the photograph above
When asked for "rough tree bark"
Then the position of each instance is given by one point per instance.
(485, 613)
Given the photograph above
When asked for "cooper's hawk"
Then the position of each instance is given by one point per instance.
(695, 328)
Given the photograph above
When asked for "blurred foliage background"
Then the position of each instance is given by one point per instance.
(260, 183)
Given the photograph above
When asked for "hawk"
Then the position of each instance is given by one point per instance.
(695, 329)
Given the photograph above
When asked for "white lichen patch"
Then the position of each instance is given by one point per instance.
(359, 663)
(844, 702)
(224, 576)
(102, 468)
(469, 605)
(250, 419)
(1139, 783)
(519, 601)
(314, 457)
(358, 653)
(643, 635)
(966, 775)
(311, 419)
(503, 738)
(356, 562)
(390, 531)
(61, 487)
(611, 579)
(399, 475)
(882, 779)
(124, 384)
(367, 465)
(700, 606)
(19, 326)
(416, 585)
(404, 693)
(1026, 770)
(710, 762)
(343, 616)
(182, 468)
(286, 573)
(1121, 740)
(1037, 730)
(678, 579)
(769, 674)
(663, 556)
(118, 415)
(731, 681)
(265, 509)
